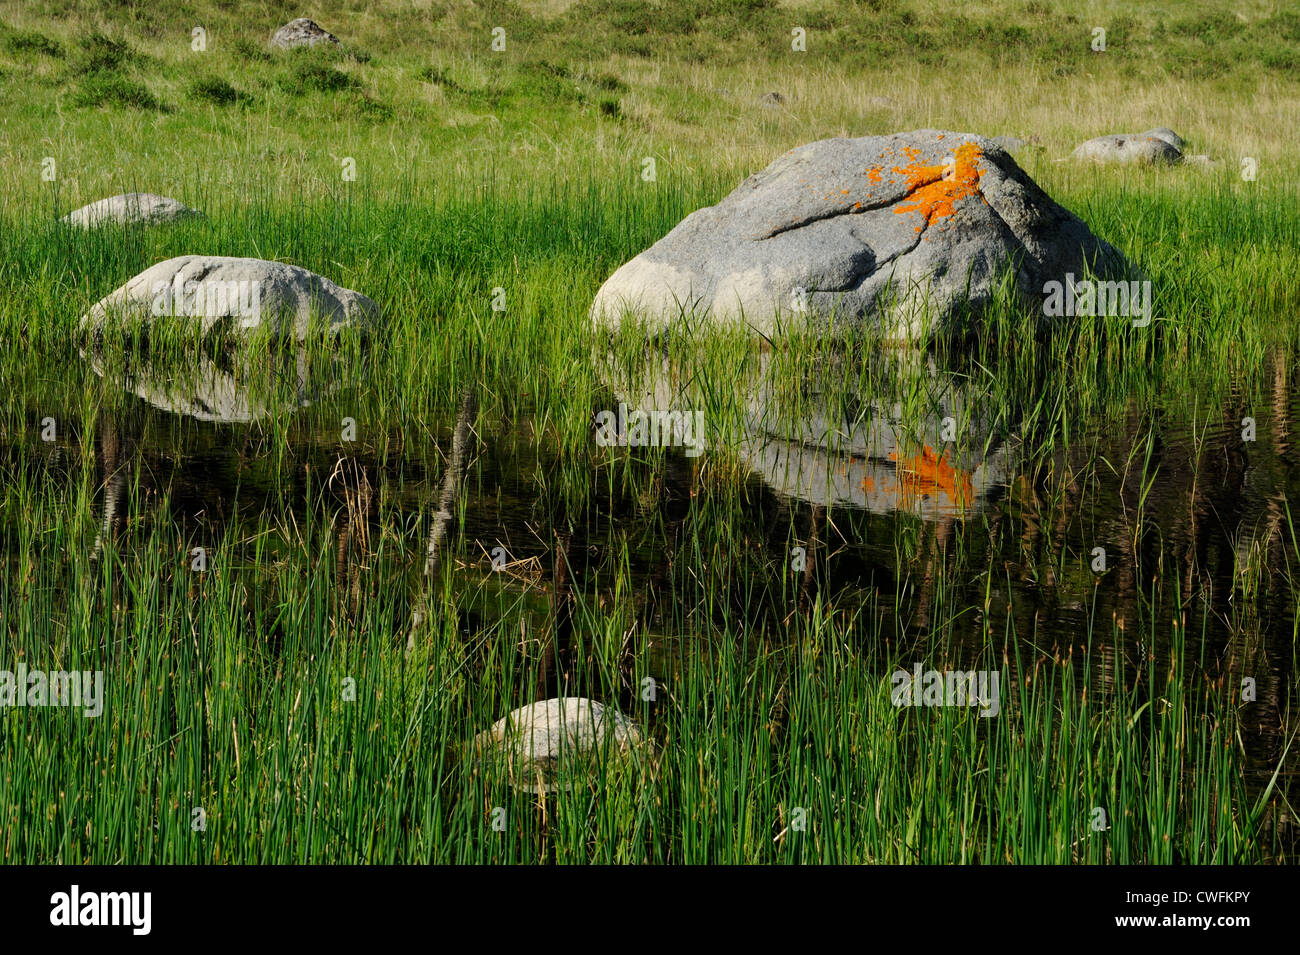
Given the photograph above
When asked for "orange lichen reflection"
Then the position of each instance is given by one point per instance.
(928, 472)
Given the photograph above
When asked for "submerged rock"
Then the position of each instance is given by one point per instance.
(129, 209)
(241, 295)
(301, 32)
(1155, 146)
(898, 233)
(548, 745)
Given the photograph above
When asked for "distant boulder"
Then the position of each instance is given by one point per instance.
(301, 32)
(130, 209)
(1154, 147)
(1168, 135)
(242, 295)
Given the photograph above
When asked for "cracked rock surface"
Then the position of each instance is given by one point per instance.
(243, 295)
(899, 232)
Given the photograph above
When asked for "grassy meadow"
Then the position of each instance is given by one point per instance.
(308, 694)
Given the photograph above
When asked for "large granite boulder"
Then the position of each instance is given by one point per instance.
(132, 208)
(241, 295)
(899, 233)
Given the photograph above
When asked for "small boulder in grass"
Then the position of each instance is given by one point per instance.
(131, 208)
(238, 294)
(1160, 146)
(548, 745)
(301, 32)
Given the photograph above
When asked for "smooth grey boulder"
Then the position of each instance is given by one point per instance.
(898, 233)
(1168, 135)
(1154, 147)
(548, 745)
(129, 209)
(301, 32)
(241, 295)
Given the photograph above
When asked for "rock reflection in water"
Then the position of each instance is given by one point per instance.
(915, 438)
(228, 387)
(225, 387)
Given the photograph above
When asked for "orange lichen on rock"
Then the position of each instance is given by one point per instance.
(930, 193)
(928, 472)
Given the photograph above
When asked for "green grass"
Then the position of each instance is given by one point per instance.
(774, 738)
(217, 91)
(245, 718)
(111, 89)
